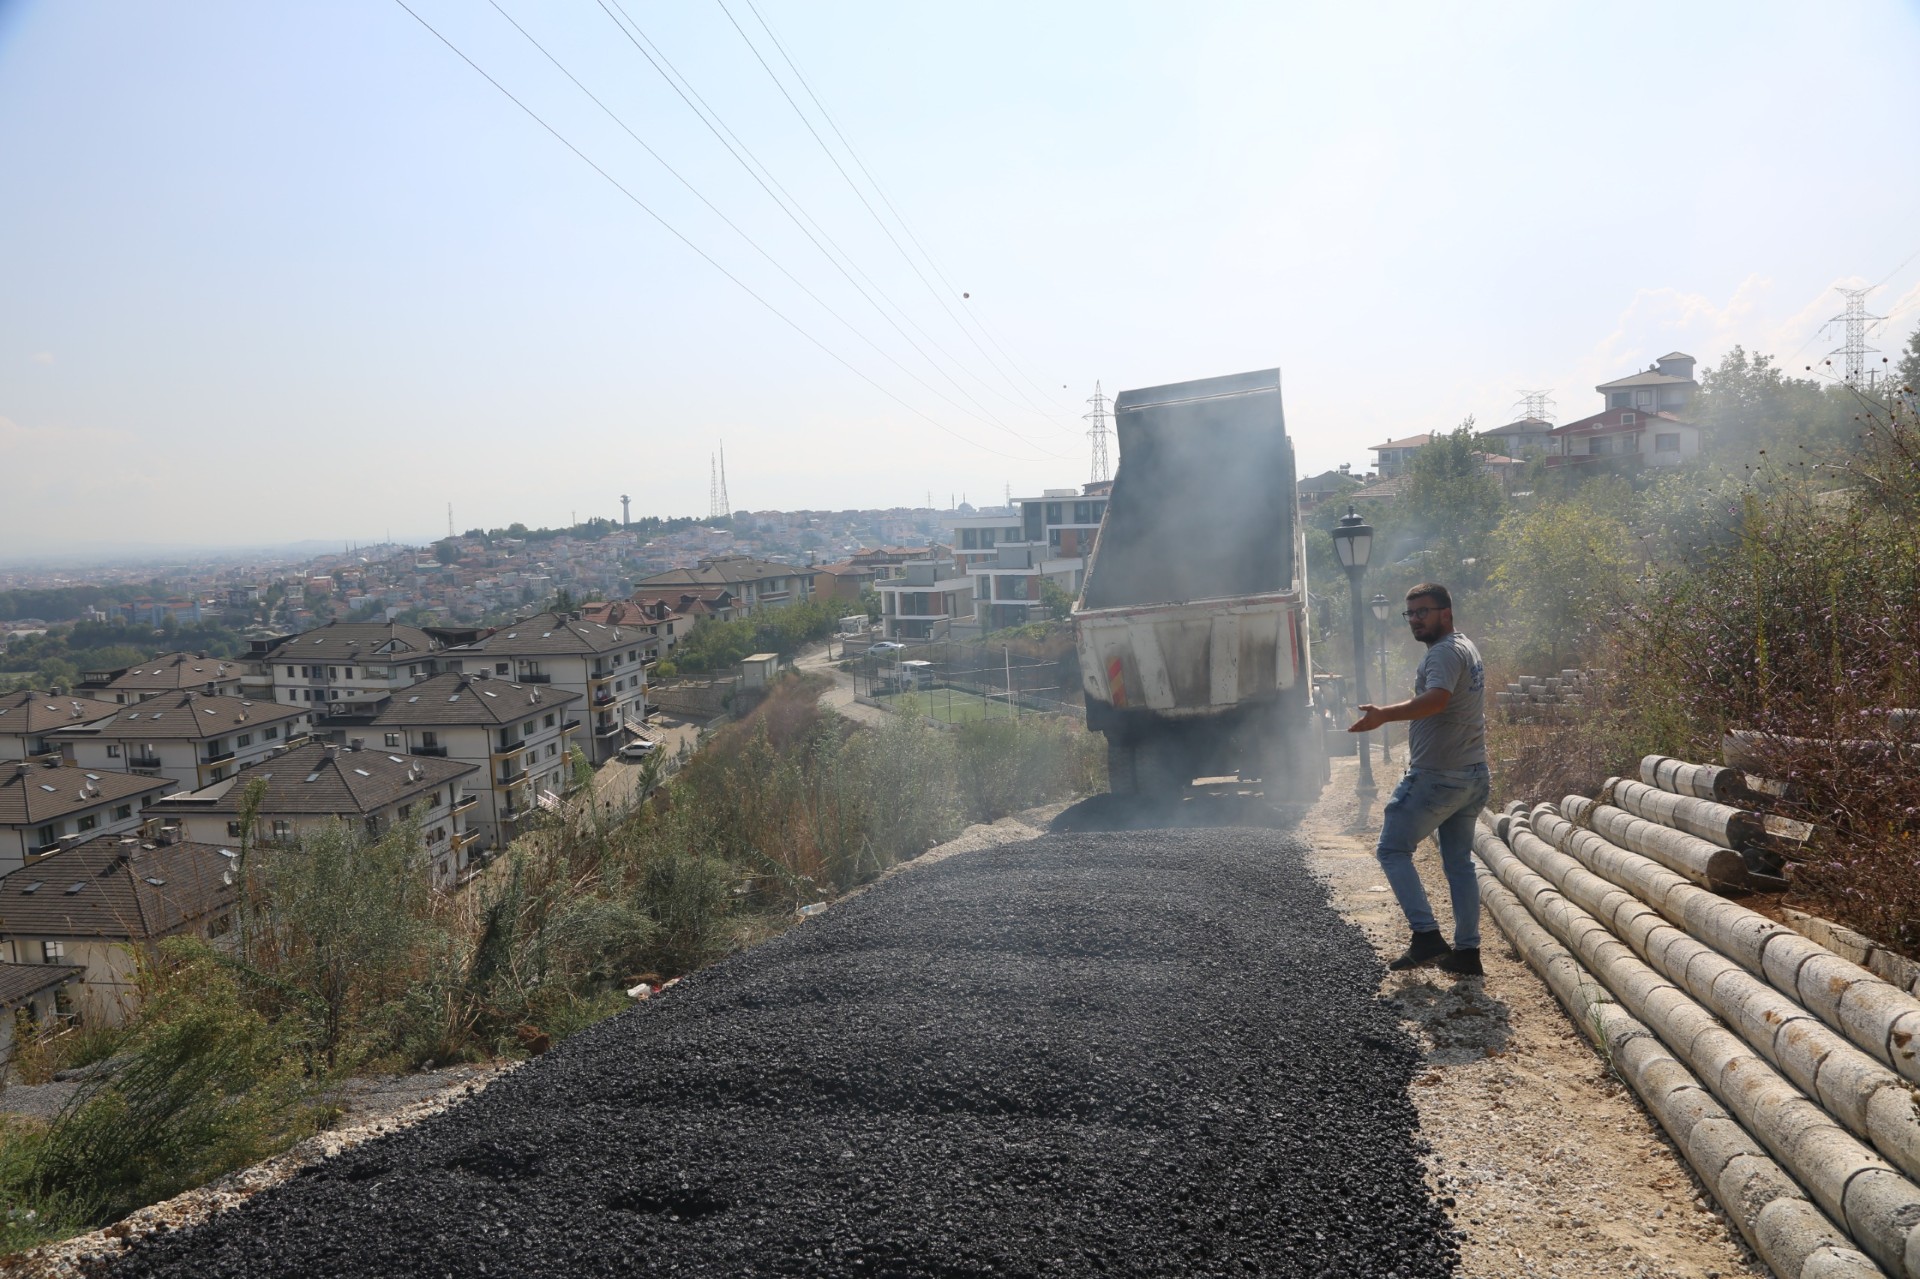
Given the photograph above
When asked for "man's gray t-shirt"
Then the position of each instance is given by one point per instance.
(1456, 738)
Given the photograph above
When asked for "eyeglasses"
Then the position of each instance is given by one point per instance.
(1414, 614)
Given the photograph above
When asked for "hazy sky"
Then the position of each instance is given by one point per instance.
(287, 270)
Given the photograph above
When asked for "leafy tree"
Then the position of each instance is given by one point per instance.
(1907, 372)
(1059, 603)
(1564, 570)
(1451, 506)
(870, 603)
(445, 551)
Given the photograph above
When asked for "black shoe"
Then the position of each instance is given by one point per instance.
(1464, 962)
(1425, 949)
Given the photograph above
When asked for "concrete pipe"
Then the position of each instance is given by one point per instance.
(1773, 1213)
(1820, 1154)
(1702, 861)
(1821, 1062)
(1724, 825)
(1702, 781)
(1880, 1019)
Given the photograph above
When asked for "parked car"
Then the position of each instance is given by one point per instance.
(884, 647)
(638, 748)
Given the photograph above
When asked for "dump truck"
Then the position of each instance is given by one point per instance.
(1191, 621)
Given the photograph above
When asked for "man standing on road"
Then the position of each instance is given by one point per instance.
(1444, 787)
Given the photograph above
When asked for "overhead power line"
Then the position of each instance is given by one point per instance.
(879, 221)
(704, 256)
(773, 261)
(880, 191)
(795, 211)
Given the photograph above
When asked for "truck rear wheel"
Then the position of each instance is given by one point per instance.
(1121, 756)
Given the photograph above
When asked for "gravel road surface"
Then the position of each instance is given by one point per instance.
(1147, 1053)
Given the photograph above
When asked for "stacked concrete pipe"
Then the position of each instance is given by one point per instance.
(1702, 781)
(1786, 1228)
(1865, 1095)
(1879, 1017)
(1702, 861)
(1717, 823)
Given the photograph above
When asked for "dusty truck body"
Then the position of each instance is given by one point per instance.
(1191, 624)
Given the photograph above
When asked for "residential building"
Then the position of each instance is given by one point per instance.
(1046, 539)
(842, 583)
(44, 809)
(755, 584)
(1393, 457)
(690, 605)
(31, 996)
(602, 663)
(925, 599)
(1641, 424)
(26, 717)
(518, 733)
(352, 664)
(167, 673)
(194, 739)
(1666, 386)
(1327, 486)
(100, 904)
(660, 624)
(1529, 437)
(318, 783)
(1626, 437)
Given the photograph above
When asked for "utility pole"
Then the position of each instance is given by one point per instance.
(713, 487)
(1535, 406)
(1099, 432)
(726, 502)
(1854, 350)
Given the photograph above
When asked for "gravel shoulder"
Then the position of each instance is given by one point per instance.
(1147, 1053)
(1554, 1167)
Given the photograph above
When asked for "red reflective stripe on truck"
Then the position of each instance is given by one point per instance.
(1116, 683)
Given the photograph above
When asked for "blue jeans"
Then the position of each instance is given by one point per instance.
(1425, 801)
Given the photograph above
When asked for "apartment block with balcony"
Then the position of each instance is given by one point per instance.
(26, 717)
(167, 673)
(344, 668)
(194, 739)
(518, 733)
(372, 789)
(44, 809)
(603, 662)
(926, 599)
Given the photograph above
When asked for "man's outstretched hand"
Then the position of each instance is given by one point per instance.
(1371, 718)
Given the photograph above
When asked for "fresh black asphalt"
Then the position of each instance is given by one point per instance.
(1148, 1053)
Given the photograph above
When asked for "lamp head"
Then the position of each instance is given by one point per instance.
(1381, 607)
(1353, 538)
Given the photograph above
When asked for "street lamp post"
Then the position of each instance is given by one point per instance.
(1353, 538)
(1381, 608)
